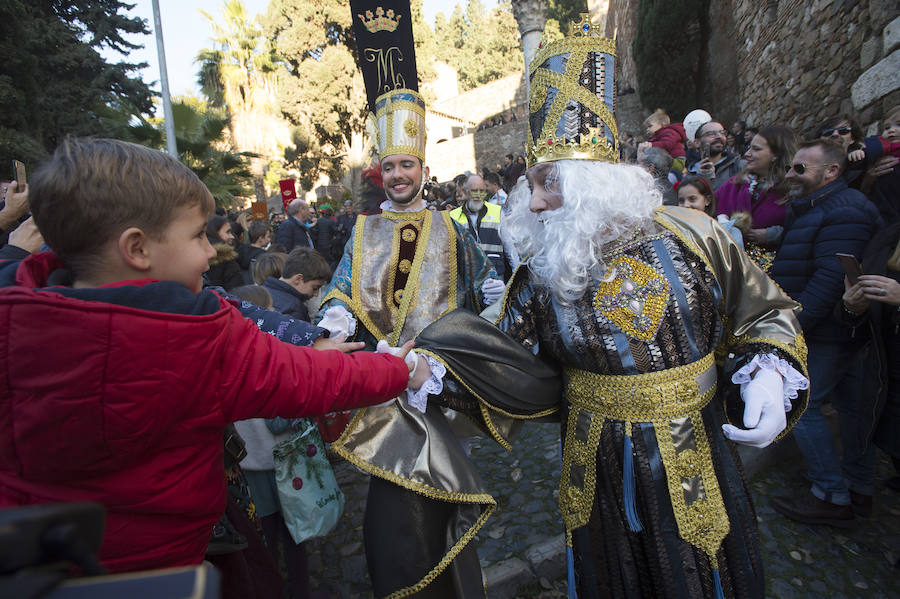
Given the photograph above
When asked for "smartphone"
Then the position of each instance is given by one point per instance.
(704, 150)
(850, 266)
(19, 175)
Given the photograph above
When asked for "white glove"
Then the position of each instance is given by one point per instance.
(492, 289)
(337, 321)
(764, 410)
(411, 359)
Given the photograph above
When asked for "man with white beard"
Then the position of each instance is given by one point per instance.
(640, 306)
(483, 221)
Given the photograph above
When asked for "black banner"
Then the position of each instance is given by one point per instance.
(384, 38)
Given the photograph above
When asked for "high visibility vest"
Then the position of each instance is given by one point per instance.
(486, 233)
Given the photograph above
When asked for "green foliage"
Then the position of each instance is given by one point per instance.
(482, 46)
(563, 12)
(199, 134)
(321, 91)
(668, 61)
(54, 82)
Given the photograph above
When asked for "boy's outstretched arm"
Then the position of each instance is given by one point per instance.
(262, 377)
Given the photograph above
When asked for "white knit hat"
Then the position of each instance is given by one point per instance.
(693, 121)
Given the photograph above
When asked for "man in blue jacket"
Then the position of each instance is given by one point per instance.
(827, 218)
(294, 232)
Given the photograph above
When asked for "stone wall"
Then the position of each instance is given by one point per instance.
(792, 62)
(475, 151)
(480, 148)
(487, 100)
(797, 60)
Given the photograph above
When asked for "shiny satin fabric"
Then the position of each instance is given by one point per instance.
(420, 455)
(504, 374)
(756, 311)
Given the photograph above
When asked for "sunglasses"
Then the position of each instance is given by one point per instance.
(838, 130)
(801, 168)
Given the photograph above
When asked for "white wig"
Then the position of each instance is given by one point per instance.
(601, 203)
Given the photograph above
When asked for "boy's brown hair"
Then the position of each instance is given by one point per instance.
(91, 190)
(659, 117)
(307, 262)
(268, 265)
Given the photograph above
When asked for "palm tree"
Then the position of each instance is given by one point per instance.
(199, 131)
(238, 74)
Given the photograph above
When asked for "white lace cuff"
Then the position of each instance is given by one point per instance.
(793, 380)
(338, 320)
(433, 386)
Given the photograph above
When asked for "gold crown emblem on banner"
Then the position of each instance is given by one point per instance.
(380, 21)
(572, 98)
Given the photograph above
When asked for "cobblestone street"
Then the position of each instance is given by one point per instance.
(521, 546)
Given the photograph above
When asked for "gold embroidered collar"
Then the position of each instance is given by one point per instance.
(391, 215)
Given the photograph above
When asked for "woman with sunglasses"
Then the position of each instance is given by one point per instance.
(760, 190)
(849, 134)
(841, 129)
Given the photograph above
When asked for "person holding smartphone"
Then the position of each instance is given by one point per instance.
(14, 195)
(827, 218)
(716, 163)
(872, 305)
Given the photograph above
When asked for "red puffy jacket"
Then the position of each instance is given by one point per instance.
(126, 407)
(670, 138)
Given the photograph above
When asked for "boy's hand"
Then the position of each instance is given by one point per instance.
(401, 352)
(856, 155)
(338, 343)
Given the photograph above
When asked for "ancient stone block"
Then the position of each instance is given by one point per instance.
(891, 36)
(879, 80)
(870, 52)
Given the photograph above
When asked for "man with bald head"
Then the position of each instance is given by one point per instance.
(483, 221)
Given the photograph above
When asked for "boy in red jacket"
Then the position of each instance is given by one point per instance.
(668, 136)
(120, 373)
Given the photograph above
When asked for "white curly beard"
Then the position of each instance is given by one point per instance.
(602, 202)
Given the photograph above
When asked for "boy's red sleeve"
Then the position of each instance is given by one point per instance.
(263, 377)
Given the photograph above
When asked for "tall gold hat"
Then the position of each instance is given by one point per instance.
(386, 53)
(572, 98)
(399, 123)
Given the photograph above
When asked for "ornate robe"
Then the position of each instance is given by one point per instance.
(399, 272)
(651, 493)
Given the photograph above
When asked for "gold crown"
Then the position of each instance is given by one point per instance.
(572, 98)
(381, 20)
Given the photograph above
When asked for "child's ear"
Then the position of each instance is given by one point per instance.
(133, 248)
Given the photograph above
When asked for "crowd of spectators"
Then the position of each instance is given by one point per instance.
(795, 203)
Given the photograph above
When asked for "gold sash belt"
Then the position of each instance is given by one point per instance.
(670, 400)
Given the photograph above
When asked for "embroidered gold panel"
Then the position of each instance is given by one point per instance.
(671, 400)
(398, 314)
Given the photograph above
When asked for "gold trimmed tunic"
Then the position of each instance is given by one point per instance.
(400, 272)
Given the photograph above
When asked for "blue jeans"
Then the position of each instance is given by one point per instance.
(834, 371)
